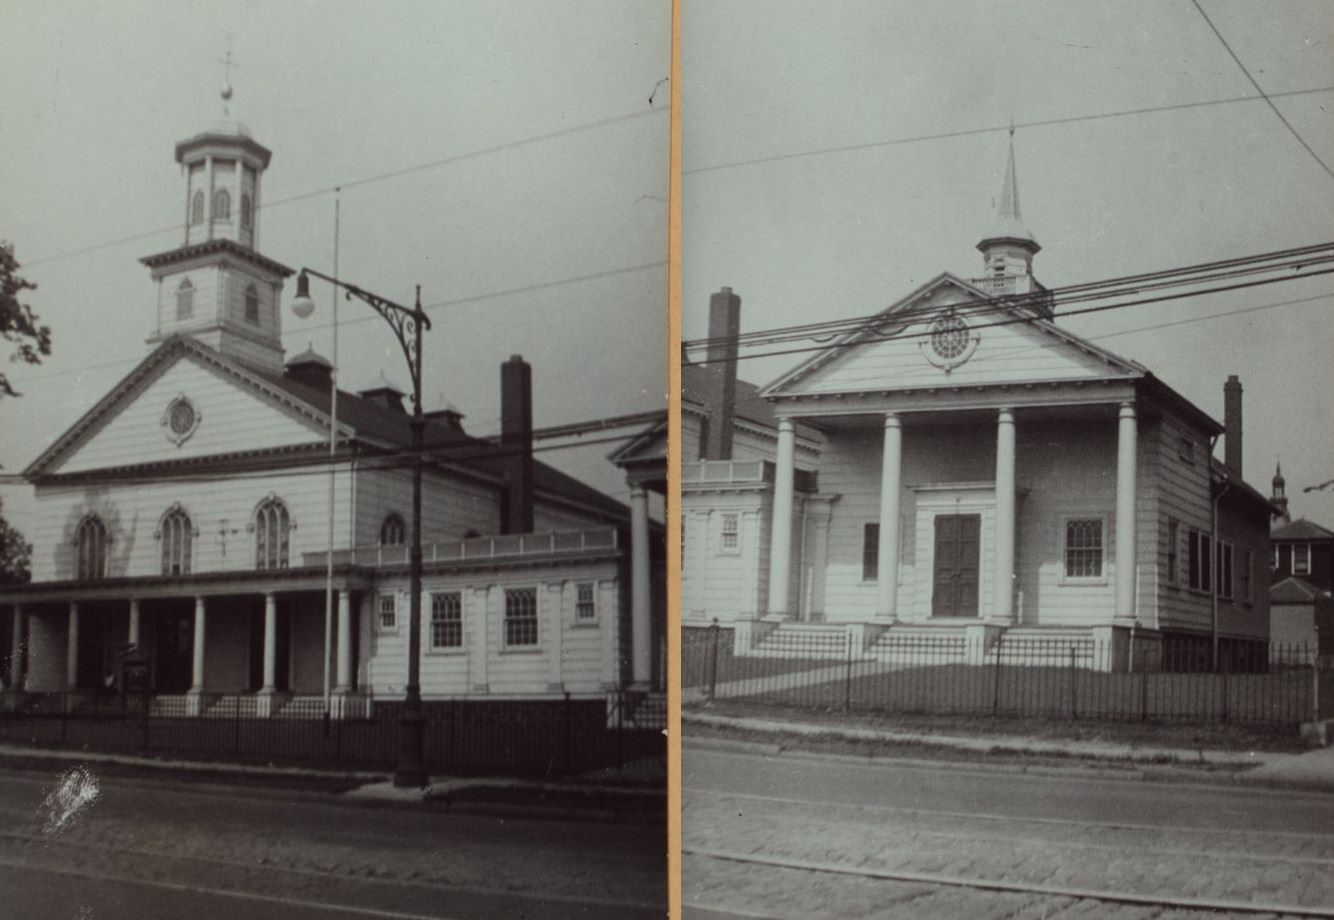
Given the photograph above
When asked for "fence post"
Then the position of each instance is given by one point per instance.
(1143, 695)
(64, 716)
(714, 630)
(236, 734)
(847, 672)
(996, 676)
(620, 727)
(148, 707)
(1074, 693)
(1315, 681)
(1223, 696)
(568, 735)
(453, 733)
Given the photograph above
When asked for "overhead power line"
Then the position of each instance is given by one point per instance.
(859, 332)
(1268, 100)
(1296, 260)
(366, 180)
(968, 132)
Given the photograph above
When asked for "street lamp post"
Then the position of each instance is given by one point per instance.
(407, 324)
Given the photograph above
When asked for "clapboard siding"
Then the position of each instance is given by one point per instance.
(1183, 496)
(569, 657)
(235, 281)
(205, 281)
(726, 584)
(221, 512)
(231, 419)
(1004, 353)
(451, 507)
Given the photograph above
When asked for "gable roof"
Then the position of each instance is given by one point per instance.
(1301, 529)
(358, 419)
(1021, 309)
(1294, 590)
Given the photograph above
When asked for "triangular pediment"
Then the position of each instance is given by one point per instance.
(185, 402)
(950, 333)
(648, 446)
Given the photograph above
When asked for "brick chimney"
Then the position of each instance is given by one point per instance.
(720, 372)
(516, 442)
(1232, 424)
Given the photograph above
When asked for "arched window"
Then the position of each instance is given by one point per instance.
(392, 531)
(252, 304)
(245, 210)
(185, 299)
(177, 539)
(91, 543)
(222, 205)
(272, 528)
(197, 207)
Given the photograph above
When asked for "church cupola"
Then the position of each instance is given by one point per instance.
(1008, 250)
(1280, 497)
(216, 287)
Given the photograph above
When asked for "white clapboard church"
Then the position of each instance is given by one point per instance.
(962, 467)
(185, 516)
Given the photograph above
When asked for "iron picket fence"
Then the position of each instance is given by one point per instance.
(531, 738)
(1066, 676)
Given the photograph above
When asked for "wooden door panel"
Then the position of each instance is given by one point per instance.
(956, 571)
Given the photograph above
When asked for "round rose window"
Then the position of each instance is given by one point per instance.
(180, 420)
(949, 337)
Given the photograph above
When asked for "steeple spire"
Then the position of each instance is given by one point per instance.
(1008, 250)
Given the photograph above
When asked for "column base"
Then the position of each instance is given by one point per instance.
(196, 701)
(349, 704)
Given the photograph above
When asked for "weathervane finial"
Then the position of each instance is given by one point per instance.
(226, 91)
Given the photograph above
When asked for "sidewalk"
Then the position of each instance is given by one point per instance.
(1310, 771)
(630, 794)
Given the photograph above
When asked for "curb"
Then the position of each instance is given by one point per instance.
(1120, 762)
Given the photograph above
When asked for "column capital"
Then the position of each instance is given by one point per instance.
(638, 491)
(785, 423)
(892, 420)
(1005, 414)
(1126, 408)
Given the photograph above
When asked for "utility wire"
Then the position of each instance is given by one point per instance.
(527, 289)
(1020, 319)
(968, 132)
(366, 180)
(1295, 258)
(1287, 124)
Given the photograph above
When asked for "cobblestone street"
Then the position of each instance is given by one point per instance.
(844, 839)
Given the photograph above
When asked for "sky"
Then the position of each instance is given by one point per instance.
(843, 233)
(369, 98)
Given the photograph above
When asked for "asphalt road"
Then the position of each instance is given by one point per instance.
(808, 836)
(92, 848)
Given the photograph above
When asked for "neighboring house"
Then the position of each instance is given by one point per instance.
(984, 472)
(1301, 611)
(186, 515)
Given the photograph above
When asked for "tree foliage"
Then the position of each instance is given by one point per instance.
(15, 555)
(18, 324)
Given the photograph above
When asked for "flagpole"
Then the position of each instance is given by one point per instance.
(333, 476)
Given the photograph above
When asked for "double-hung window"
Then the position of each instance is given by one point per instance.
(1083, 551)
(1199, 574)
(1224, 569)
(729, 538)
(388, 610)
(870, 552)
(585, 602)
(520, 617)
(1173, 541)
(447, 620)
(1301, 558)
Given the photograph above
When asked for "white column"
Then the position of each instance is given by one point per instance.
(344, 673)
(270, 643)
(780, 545)
(18, 658)
(1125, 511)
(891, 485)
(72, 649)
(641, 595)
(1003, 604)
(197, 669)
(133, 636)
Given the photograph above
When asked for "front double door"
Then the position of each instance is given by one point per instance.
(956, 569)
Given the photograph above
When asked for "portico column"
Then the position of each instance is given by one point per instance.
(197, 669)
(72, 649)
(18, 657)
(780, 544)
(344, 671)
(133, 636)
(1125, 511)
(640, 595)
(891, 484)
(1003, 603)
(270, 642)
